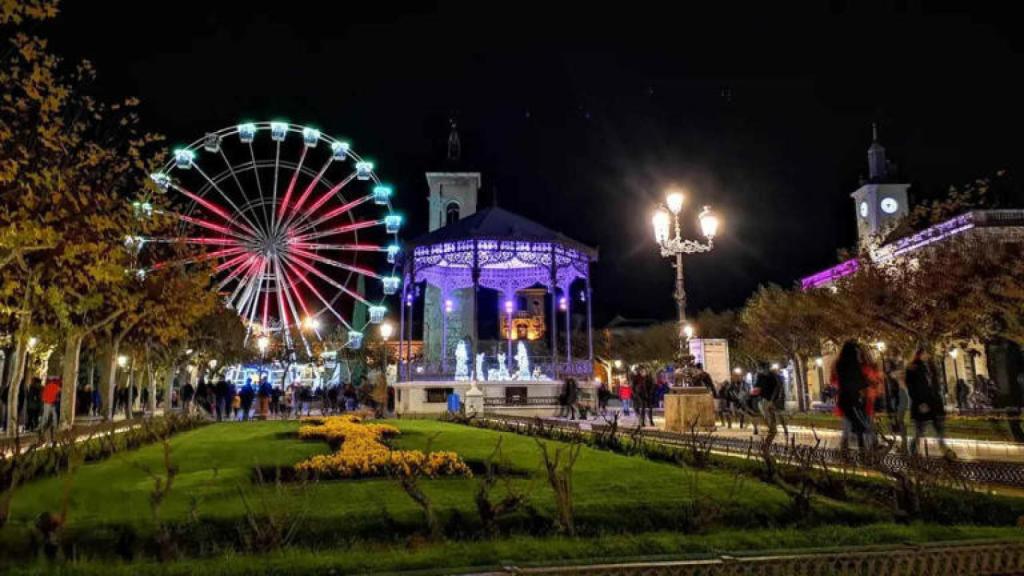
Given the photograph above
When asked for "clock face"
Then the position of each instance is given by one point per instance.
(890, 205)
(863, 209)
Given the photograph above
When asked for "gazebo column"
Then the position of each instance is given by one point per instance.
(401, 331)
(590, 327)
(476, 307)
(507, 311)
(568, 324)
(554, 313)
(444, 330)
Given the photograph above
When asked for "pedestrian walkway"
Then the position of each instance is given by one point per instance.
(965, 448)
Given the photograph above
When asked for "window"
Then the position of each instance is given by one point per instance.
(438, 395)
(451, 213)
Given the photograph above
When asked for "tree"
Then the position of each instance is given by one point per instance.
(790, 324)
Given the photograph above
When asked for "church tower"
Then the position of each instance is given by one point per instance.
(879, 203)
(452, 196)
(454, 192)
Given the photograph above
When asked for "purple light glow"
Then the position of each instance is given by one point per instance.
(563, 303)
(449, 305)
(509, 306)
(923, 238)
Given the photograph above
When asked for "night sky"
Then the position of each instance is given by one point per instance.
(579, 117)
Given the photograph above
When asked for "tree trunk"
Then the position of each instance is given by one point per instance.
(801, 383)
(152, 389)
(111, 383)
(18, 366)
(169, 391)
(69, 379)
(106, 360)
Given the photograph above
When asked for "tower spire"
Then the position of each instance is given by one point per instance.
(877, 166)
(454, 144)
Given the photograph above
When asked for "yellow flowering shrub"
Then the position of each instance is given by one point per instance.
(362, 454)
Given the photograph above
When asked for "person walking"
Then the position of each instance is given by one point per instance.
(34, 404)
(51, 403)
(626, 396)
(926, 405)
(572, 397)
(602, 398)
(222, 399)
(265, 392)
(767, 389)
(857, 382)
(187, 394)
(644, 393)
(247, 395)
(963, 392)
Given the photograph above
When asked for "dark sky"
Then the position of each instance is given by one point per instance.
(581, 116)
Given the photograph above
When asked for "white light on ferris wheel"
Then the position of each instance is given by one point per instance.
(390, 284)
(339, 150)
(355, 340)
(364, 170)
(163, 181)
(310, 136)
(247, 132)
(392, 223)
(278, 130)
(381, 194)
(393, 250)
(377, 314)
(183, 158)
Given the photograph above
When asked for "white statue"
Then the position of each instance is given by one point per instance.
(522, 363)
(502, 368)
(461, 362)
(480, 375)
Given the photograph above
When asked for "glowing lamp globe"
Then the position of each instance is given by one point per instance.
(661, 222)
(386, 330)
(262, 343)
(708, 223)
(674, 200)
(122, 361)
(688, 331)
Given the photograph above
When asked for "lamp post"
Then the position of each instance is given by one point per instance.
(262, 343)
(673, 245)
(386, 329)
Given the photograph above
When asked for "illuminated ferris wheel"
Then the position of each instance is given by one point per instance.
(299, 228)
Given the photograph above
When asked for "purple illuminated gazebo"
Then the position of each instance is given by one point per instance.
(498, 250)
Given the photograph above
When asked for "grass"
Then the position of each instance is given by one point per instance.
(625, 506)
(523, 551)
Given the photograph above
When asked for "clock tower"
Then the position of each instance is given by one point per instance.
(879, 203)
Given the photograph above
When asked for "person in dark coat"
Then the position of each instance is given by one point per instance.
(572, 395)
(188, 392)
(857, 384)
(926, 404)
(223, 401)
(247, 395)
(644, 391)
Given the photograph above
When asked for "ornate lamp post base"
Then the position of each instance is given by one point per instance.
(688, 408)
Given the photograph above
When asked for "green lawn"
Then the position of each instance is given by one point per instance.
(625, 506)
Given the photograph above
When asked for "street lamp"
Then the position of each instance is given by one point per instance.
(688, 331)
(386, 329)
(122, 361)
(673, 245)
(262, 343)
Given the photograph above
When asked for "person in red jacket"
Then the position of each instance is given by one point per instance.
(51, 402)
(857, 382)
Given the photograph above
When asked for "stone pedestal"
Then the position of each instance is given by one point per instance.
(474, 400)
(686, 406)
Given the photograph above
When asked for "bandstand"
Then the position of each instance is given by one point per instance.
(497, 250)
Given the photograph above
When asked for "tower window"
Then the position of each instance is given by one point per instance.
(451, 213)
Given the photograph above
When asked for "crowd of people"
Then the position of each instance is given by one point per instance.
(260, 399)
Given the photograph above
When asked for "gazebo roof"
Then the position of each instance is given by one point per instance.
(503, 226)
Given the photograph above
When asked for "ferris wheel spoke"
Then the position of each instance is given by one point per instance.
(282, 311)
(291, 188)
(201, 258)
(338, 230)
(311, 210)
(218, 210)
(312, 269)
(283, 283)
(236, 262)
(198, 240)
(273, 202)
(317, 293)
(259, 186)
(339, 247)
(234, 176)
(298, 295)
(215, 227)
(242, 271)
(297, 208)
(242, 293)
(252, 227)
(254, 295)
(331, 262)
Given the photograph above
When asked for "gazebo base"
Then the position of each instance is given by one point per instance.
(523, 398)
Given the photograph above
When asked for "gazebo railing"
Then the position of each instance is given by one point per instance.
(558, 370)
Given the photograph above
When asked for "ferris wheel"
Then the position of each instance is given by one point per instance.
(297, 226)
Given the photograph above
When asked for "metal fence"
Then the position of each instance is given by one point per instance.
(989, 558)
(976, 471)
